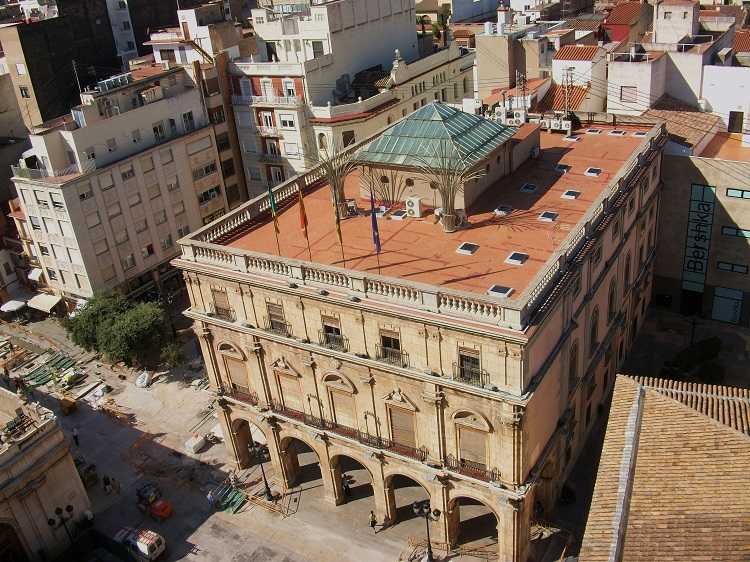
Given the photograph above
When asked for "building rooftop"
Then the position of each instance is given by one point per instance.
(555, 98)
(624, 13)
(727, 146)
(20, 421)
(532, 85)
(685, 124)
(577, 52)
(671, 483)
(433, 132)
(418, 250)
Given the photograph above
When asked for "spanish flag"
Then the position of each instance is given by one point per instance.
(302, 213)
(272, 201)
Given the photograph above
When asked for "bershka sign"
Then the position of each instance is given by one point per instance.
(698, 239)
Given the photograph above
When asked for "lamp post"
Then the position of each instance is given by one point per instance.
(422, 509)
(257, 451)
(62, 518)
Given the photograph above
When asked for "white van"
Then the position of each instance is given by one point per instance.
(145, 545)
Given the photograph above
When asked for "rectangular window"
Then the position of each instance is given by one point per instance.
(222, 142)
(153, 191)
(389, 349)
(348, 138)
(147, 164)
(188, 122)
(20, 69)
(93, 219)
(738, 193)
(127, 174)
(41, 199)
(57, 201)
(597, 254)
(317, 48)
(140, 225)
(147, 251)
(291, 149)
(667, 16)
(286, 120)
(402, 427)
(160, 217)
(178, 207)
(330, 334)
(276, 322)
(204, 171)
(114, 210)
(472, 446)
(468, 367)
(166, 242)
(43, 250)
(733, 267)
(227, 168)
(134, 199)
(208, 195)
(216, 115)
(629, 94)
(24, 92)
(166, 156)
(128, 262)
(35, 224)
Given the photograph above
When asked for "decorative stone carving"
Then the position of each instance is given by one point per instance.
(398, 398)
(435, 398)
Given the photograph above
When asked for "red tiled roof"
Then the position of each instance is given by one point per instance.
(576, 52)
(583, 24)
(532, 85)
(626, 13)
(554, 99)
(742, 41)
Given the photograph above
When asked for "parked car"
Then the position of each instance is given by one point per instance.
(142, 544)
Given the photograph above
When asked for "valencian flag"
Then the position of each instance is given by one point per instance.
(373, 218)
(272, 201)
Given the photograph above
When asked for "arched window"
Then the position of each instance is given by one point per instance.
(573, 365)
(471, 438)
(384, 179)
(409, 182)
(612, 302)
(322, 141)
(594, 331)
(626, 280)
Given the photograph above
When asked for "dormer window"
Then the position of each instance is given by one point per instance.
(516, 258)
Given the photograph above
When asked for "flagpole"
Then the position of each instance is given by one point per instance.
(303, 219)
(278, 247)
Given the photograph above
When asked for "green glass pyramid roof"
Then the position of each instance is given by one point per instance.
(434, 132)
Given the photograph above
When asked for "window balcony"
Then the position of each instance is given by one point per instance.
(285, 101)
(243, 394)
(270, 157)
(223, 313)
(392, 356)
(279, 327)
(472, 469)
(337, 342)
(415, 453)
(264, 131)
(470, 375)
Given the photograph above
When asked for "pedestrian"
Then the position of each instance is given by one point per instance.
(210, 498)
(345, 485)
(115, 486)
(373, 522)
(107, 484)
(75, 436)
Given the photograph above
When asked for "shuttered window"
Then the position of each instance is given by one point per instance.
(343, 409)
(290, 392)
(402, 427)
(237, 373)
(472, 445)
(221, 301)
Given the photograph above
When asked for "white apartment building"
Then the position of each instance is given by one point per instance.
(122, 29)
(108, 190)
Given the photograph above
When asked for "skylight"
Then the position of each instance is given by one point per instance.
(528, 188)
(548, 216)
(517, 258)
(593, 172)
(593, 131)
(571, 194)
(500, 291)
(503, 210)
(562, 168)
(571, 138)
(640, 134)
(617, 133)
(467, 248)
(399, 215)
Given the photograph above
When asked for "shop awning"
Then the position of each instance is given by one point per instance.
(12, 306)
(44, 302)
(35, 274)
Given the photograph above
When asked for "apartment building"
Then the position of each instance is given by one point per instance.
(286, 138)
(122, 29)
(38, 476)
(476, 381)
(307, 59)
(109, 189)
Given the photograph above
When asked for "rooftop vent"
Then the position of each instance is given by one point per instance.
(516, 258)
(571, 138)
(548, 216)
(640, 134)
(617, 133)
(562, 168)
(503, 210)
(593, 172)
(571, 194)
(528, 188)
(593, 131)
(467, 249)
(500, 291)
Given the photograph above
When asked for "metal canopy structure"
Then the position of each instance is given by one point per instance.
(433, 134)
(44, 302)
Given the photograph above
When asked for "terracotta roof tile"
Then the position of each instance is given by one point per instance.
(671, 484)
(685, 124)
(586, 24)
(577, 52)
(554, 99)
(742, 41)
(625, 13)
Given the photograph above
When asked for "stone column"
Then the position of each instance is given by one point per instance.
(260, 382)
(510, 531)
(205, 339)
(449, 521)
(334, 492)
(225, 420)
(434, 398)
(385, 505)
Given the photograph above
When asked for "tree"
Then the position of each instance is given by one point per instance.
(447, 171)
(100, 309)
(133, 334)
(171, 355)
(387, 184)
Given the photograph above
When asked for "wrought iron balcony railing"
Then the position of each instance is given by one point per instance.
(470, 375)
(472, 469)
(278, 327)
(224, 313)
(392, 356)
(333, 341)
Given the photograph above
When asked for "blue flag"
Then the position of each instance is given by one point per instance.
(373, 218)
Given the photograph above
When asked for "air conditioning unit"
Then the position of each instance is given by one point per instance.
(520, 115)
(414, 207)
(544, 123)
(555, 125)
(567, 126)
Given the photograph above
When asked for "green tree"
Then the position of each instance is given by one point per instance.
(99, 310)
(133, 334)
(171, 355)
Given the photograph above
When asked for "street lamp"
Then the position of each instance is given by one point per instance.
(422, 509)
(257, 451)
(62, 518)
